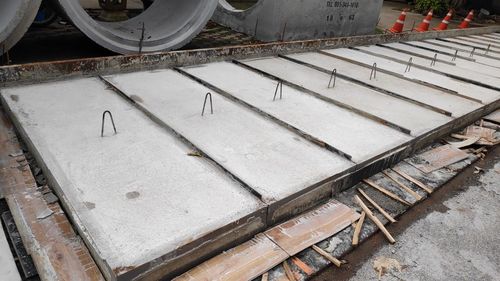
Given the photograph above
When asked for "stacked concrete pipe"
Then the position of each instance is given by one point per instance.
(165, 25)
(271, 20)
(16, 17)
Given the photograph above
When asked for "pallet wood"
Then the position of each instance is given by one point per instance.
(403, 186)
(377, 206)
(327, 256)
(357, 229)
(413, 180)
(386, 192)
(379, 224)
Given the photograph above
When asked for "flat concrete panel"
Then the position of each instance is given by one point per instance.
(462, 46)
(135, 196)
(434, 97)
(270, 159)
(8, 268)
(462, 73)
(408, 115)
(482, 94)
(459, 62)
(443, 49)
(358, 136)
(480, 43)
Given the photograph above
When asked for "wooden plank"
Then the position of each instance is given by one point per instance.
(244, 262)
(377, 206)
(403, 186)
(310, 228)
(357, 229)
(386, 192)
(58, 253)
(413, 180)
(437, 158)
(303, 266)
(379, 224)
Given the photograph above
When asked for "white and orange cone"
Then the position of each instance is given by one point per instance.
(398, 25)
(467, 20)
(424, 25)
(444, 24)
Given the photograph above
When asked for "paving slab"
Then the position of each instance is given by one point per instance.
(458, 106)
(8, 268)
(461, 63)
(355, 135)
(459, 73)
(487, 40)
(463, 55)
(482, 94)
(384, 106)
(480, 43)
(273, 161)
(136, 197)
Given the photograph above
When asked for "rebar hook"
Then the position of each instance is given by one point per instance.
(205, 103)
(455, 56)
(334, 77)
(280, 86)
(103, 119)
(408, 66)
(433, 62)
(374, 71)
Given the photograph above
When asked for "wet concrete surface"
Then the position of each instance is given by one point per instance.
(452, 235)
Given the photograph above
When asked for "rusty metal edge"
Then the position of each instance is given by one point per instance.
(57, 251)
(57, 70)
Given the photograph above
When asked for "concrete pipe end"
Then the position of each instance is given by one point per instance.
(16, 17)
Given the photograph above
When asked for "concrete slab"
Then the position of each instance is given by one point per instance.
(482, 94)
(408, 115)
(459, 62)
(463, 46)
(462, 54)
(358, 136)
(273, 161)
(458, 106)
(480, 43)
(138, 200)
(447, 69)
(8, 268)
(488, 40)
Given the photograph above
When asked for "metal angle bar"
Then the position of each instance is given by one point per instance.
(280, 122)
(370, 86)
(336, 102)
(415, 54)
(439, 52)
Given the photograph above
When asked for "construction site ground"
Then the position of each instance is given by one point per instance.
(453, 235)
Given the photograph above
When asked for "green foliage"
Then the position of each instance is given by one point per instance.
(439, 7)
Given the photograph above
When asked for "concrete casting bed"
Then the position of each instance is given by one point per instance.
(136, 197)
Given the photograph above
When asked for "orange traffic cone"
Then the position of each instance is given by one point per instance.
(444, 24)
(467, 20)
(424, 25)
(398, 25)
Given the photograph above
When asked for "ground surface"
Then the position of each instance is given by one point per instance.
(453, 235)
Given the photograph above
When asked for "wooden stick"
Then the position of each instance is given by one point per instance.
(403, 186)
(413, 180)
(327, 256)
(357, 230)
(379, 224)
(288, 271)
(386, 192)
(303, 266)
(265, 277)
(377, 206)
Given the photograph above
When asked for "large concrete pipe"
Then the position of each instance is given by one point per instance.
(16, 17)
(165, 25)
(271, 20)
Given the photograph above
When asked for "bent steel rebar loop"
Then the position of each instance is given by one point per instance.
(333, 77)
(280, 86)
(205, 103)
(472, 52)
(488, 49)
(433, 62)
(455, 56)
(409, 64)
(104, 118)
(373, 74)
